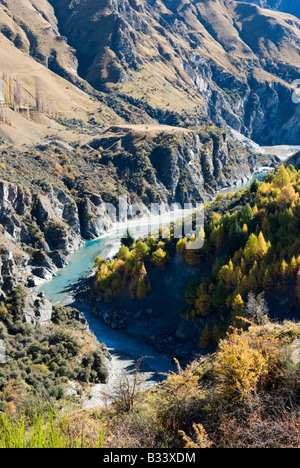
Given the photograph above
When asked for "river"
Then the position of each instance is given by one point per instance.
(124, 346)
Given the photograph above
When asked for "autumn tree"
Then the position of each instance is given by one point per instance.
(239, 367)
(159, 258)
(141, 251)
(282, 178)
(251, 249)
(238, 306)
(143, 288)
(287, 197)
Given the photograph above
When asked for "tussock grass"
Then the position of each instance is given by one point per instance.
(51, 431)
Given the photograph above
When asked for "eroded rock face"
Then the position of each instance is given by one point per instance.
(58, 215)
(15, 202)
(94, 219)
(40, 231)
(37, 309)
(13, 266)
(176, 165)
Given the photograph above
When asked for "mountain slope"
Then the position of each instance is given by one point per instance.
(182, 60)
(175, 62)
(25, 78)
(37, 64)
(32, 27)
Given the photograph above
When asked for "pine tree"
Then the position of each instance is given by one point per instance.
(143, 288)
(245, 229)
(284, 269)
(268, 280)
(193, 256)
(203, 301)
(287, 197)
(254, 186)
(297, 287)
(237, 238)
(180, 247)
(216, 334)
(293, 265)
(123, 253)
(141, 251)
(247, 215)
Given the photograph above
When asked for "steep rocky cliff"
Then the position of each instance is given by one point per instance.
(51, 203)
(171, 164)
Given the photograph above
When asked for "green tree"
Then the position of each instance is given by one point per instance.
(247, 215)
(237, 239)
(191, 291)
(254, 186)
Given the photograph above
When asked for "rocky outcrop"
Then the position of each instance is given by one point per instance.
(294, 160)
(95, 221)
(176, 165)
(58, 216)
(15, 202)
(13, 266)
(37, 309)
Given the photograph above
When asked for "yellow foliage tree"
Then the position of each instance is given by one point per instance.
(282, 178)
(287, 197)
(262, 246)
(239, 366)
(238, 306)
